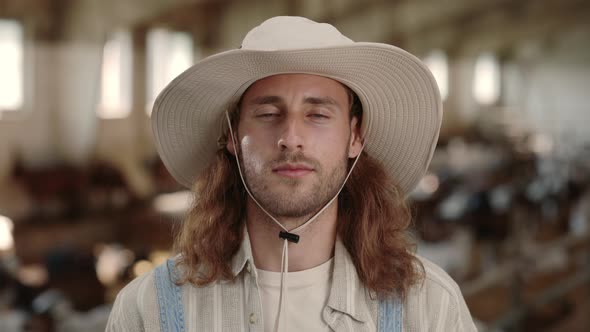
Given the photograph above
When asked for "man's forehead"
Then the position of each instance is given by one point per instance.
(315, 89)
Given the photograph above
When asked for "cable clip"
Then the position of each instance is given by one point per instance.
(289, 237)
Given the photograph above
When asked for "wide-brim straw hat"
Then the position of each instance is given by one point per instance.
(402, 108)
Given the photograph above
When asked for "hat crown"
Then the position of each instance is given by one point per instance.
(292, 32)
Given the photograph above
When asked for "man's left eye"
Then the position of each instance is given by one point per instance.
(318, 116)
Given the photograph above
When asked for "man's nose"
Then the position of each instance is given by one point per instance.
(291, 137)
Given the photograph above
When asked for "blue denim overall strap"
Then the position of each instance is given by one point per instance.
(172, 309)
(169, 298)
(390, 315)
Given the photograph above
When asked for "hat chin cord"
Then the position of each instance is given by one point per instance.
(286, 235)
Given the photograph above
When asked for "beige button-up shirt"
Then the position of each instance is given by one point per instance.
(434, 305)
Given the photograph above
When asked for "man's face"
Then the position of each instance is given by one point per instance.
(295, 136)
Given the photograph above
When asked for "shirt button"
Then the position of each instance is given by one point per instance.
(248, 268)
(252, 318)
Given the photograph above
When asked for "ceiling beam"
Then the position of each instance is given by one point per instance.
(499, 28)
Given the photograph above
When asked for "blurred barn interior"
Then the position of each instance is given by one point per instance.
(86, 205)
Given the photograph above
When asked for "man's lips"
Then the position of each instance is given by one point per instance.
(292, 170)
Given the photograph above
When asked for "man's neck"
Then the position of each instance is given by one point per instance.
(315, 246)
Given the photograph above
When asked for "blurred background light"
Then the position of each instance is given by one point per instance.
(111, 261)
(6, 237)
(169, 53)
(11, 65)
(158, 257)
(116, 77)
(427, 186)
(438, 64)
(141, 267)
(540, 144)
(173, 203)
(33, 275)
(486, 79)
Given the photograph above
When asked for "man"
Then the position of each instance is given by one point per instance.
(299, 221)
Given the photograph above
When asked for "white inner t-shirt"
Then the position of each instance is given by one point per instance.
(308, 294)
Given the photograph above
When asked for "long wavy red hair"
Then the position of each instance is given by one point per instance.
(373, 221)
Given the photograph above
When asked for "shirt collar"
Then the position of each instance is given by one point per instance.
(347, 293)
(243, 257)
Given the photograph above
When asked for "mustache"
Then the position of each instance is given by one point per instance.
(293, 158)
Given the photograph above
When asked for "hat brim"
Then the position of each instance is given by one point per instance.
(402, 109)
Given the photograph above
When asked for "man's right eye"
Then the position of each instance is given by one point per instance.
(267, 115)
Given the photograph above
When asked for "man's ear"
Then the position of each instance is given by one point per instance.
(356, 143)
(230, 145)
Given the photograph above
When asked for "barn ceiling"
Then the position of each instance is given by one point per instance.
(459, 25)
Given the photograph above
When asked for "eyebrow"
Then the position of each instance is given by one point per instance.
(320, 101)
(264, 100)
